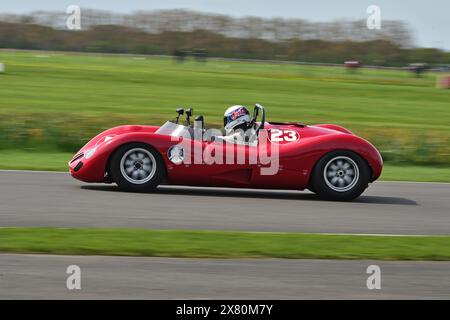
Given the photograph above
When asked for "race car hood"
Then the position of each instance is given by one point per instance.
(116, 131)
(109, 134)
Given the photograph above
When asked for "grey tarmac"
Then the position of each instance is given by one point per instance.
(44, 277)
(56, 199)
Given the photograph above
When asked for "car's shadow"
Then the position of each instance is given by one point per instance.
(247, 193)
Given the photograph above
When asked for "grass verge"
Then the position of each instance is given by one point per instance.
(415, 173)
(23, 160)
(221, 244)
(69, 98)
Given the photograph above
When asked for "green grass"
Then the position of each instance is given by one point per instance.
(221, 244)
(23, 160)
(57, 101)
(57, 161)
(415, 173)
(123, 85)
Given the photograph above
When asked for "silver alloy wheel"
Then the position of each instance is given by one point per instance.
(138, 166)
(341, 173)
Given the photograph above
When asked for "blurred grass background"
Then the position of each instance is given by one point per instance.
(52, 103)
(221, 244)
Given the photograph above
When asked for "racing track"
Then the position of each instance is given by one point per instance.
(55, 199)
(44, 277)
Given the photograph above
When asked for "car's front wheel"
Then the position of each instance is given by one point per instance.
(340, 175)
(137, 167)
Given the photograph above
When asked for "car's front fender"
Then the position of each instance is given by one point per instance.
(94, 166)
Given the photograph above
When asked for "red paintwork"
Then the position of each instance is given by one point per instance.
(297, 159)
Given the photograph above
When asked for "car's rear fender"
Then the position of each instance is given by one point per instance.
(308, 152)
(334, 127)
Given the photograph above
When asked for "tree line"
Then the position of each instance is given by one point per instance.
(169, 31)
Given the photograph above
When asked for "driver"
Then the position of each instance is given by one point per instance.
(237, 124)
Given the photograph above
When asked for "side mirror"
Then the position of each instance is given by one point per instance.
(199, 121)
(180, 112)
(198, 128)
(189, 113)
(259, 109)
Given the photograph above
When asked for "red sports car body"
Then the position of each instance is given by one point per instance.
(327, 159)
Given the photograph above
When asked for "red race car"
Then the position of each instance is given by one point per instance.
(326, 159)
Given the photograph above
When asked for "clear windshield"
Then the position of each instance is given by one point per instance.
(174, 130)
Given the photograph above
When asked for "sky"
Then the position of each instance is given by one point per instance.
(429, 20)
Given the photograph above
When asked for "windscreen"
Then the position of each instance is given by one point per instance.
(174, 130)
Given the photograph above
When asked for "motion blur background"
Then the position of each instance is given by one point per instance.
(136, 61)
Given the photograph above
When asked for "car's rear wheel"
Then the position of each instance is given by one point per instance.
(340, 175)
(137, 167)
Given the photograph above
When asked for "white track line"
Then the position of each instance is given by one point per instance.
(422, 182)
(380, 234)
(34, 171)
(262, 232)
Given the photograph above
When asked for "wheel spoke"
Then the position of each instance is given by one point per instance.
(135, 174)
(334, 167)
(142, 174)
(129, 170)
(331, 174)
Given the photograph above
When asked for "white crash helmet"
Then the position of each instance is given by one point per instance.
(235, 117)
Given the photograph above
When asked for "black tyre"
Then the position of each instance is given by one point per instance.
(137, 167)
(340, 176)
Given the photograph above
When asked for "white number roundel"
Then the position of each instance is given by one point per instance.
(283, 136)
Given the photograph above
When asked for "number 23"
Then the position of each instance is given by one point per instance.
(277, 135)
